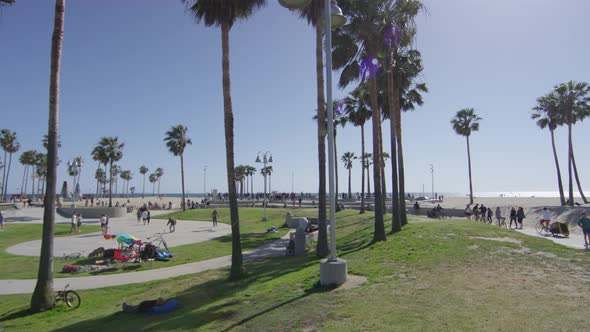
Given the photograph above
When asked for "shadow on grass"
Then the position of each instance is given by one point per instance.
(14, 314)
(213, 300)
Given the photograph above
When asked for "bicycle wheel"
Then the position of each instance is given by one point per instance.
(72, 299)
(539, 228)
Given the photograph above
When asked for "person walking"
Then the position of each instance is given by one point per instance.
(144, 216)
(490, 214)
(214, 217)
(482, 211)
(104, 224)
(1, 221)
(520, 217)
(500, 219)
(172, 224)
(74, 223)
(584, 222)
(476, 212)
(149, 216)
(513, 217)
(78, 222)
(139, 215)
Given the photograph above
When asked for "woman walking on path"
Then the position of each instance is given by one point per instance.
(520, 216)
(584, 222)
(214, 217)
(513, 217)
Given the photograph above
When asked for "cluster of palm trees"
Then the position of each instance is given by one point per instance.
(245, 172)
(34, 165)
(567, 104)
(366, 36)
(107, 151)
(9, 145)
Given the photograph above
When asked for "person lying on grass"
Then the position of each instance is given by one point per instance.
(145, 306)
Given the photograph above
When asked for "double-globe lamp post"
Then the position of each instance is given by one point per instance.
(266, 159)
(76, 165)
(332, 270)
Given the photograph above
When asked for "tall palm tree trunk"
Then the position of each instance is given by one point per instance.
(33, 185)
(7, 175)
(469, 166)
(368, 183)
(379, 232)
(396, 224)
(143, 187)
(578, 178)
(400, 163)
(182, 178)
(22, 182)
(322, 244)
(362, 168)
(383, 185)
(42, 298)
(569, 165)
(3, 178)
(559, 182)
(349, 182)
(237, 268)
(111, 184)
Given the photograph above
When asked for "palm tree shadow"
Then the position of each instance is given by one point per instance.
(14, 314)
(203, 303)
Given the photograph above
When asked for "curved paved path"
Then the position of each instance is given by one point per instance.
(26, 286)
(186, 232)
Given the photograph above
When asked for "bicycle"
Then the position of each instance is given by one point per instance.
(542, 228)
(157, 239)
(70, 297)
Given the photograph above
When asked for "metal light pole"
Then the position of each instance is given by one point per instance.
(332, 270)
(432, 174)
(266, 159)
(205, 180)
(75, 165)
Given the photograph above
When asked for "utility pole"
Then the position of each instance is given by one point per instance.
(432, 174)
(205, 180)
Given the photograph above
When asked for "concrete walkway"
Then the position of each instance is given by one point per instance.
(26, 286)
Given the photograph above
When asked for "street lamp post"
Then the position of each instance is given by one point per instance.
(432, 174)
(332, 270)
(266, 159)
(75, 165)
(205, 180)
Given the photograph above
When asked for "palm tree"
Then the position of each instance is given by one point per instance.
(224, 13)
(116, 170)
(251, 170)
(143, 170)
(27, 159)
(42, 298)
(368, 161)
(101, 178)
(464, 123)
(159, 173)
(361, 37)
(574, 103)
(314, 13)
(153, 178)
(358, 113)
(74, 170)
(113, 151)
(347, 159)
(547, 114)
(10, 145)
(240, 176)
(40, 172)
(99, 154)
(176, 140)
(126, 175)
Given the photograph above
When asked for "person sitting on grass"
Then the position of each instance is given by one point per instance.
(584, 222)
(145, 306)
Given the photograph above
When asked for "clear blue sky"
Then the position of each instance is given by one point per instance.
(132, 71)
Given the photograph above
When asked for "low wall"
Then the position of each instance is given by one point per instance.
(93, 212)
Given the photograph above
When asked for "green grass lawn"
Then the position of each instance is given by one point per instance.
(252, 232)
(23, 267)
(432, 276)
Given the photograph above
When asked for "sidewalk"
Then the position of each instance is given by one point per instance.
(26, 286)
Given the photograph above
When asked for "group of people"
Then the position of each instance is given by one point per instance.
(76, 222)
(144, 214)
(486, 214)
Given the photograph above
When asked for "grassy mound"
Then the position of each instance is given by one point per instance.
(440, 275)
